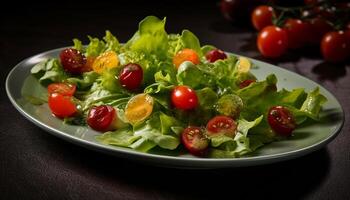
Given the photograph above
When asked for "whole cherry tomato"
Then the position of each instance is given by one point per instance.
(184, 98)
(131, 76)
(61, 105)
(296, 31)
(319, 27)
(335, 46)
(272, 41)
(262, 17)
(101, 118)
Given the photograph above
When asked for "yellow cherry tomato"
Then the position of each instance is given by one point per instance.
(243, 65)
(107, 60)
(139, 108)
(185, 55)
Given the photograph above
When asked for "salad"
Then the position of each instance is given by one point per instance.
(166, 91)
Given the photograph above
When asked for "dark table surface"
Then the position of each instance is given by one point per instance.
(37, 165)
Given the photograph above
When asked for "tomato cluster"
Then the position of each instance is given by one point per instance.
(317, 22)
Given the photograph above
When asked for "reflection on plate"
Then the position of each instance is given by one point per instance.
(308, 138)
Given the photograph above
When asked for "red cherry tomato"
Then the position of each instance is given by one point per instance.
(61, 105)
(62, 88)
(319, 27)
(335, 46)
(246, 83)
(221, 125)
(281, 120)
(296, 31)
(262, 17)
(195, 141)
(272, 41)
(131, 76)
(73, 61)
(184, 98)
(215, 55)
(101, 118)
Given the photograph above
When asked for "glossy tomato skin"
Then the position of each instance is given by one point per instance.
(61, 105)
(184, 98)
(215, 55)
(195, 141)
(72, 60)
(262, 17)
(335, 46)
(131, 76)
(246, 83)
(281, 120)
(297, 32)
(185, 55)
(272, 41)
(101, 118)
(221, 125)
(319, 27)
(65, 89)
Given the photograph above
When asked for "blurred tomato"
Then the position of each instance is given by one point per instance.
(262, 17)
(335, 46)
(296, 31)
(319, 27)
(239, 10)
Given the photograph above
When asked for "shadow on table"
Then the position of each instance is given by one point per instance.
(330, 71)
(290, 179)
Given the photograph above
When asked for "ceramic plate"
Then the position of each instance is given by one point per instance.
(307, 138)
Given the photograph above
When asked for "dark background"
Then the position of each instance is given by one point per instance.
(36, 165)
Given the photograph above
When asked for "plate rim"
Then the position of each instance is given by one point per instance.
(185, 161)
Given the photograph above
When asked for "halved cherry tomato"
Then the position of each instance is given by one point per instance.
(262, 17)
(296, 30)
(185, 55)
(246, 83)
(101, 118)
(65, 89)
(138, 108)
(335, 46)
(195, 141)
(221, 125)
(61, 105)
(72, 60)
(215, 55)
(281, 120)
(272, 41)
(184, 98)
(106, 60)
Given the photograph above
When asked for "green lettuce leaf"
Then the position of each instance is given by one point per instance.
(84, 82)
(121, 137)
(151, 38)
(225, 146)
(49, 71)
(158, 130)
(313, 104)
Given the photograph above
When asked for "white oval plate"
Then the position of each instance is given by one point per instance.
(306, 139)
